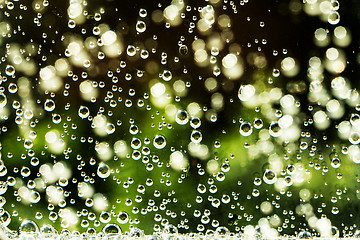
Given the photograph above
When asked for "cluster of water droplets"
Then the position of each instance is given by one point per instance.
(171, 123)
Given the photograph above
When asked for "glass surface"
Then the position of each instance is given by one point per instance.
(174, 119)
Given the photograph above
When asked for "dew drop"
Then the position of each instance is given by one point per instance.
(166, 75)
(83, 112)
(246, 129)
(10, 70)
(159, 141)
(28, 227)
(334, 18)
(112, 230)
(3, 100)
(269, 177)
(49, 105)
(123, 217)
(140, 26)
(103, 170)
(196, 136)
(182, 117)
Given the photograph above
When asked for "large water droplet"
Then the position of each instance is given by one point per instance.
(182, 117)
(159, 141)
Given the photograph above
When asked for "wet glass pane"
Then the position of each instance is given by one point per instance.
(173, 119)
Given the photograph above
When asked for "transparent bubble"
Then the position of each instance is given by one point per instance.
(12, 88)
(34, 196)
(136, 233)
(10, 70)
(83, 112)
(49, 105)
(123, 217)
(48, 231)
(166, 75)
(5, 217)
(3, 187)
(56, 118)
(220, 176)
(170, 230)
(142, 12)
(3, 100)
(28, 227)
(269, 177)
(182, 117)
(196, 136)
(258, 123)
(25, 171)
(110, 128)
(354, 138)
(335, 210)
(335, 162)
(28, 144)
(276, 72)
(216, 203)
(140, 26)
(105, 217)
(63, 182)
(246, 129)
(71, 23)
(135, 143)
(134, 129)
(275, 129)
(159, 141)
(195, 123)
(103, 170)
(334, 18)
(112, 229)
(304, 235)
(144, 54)
(131, 50)
(201, 188)
(2, 201)
(335, 5)
(183, 50)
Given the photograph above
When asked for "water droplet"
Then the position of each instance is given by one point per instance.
(105, 217)
(3, 187)
(110, 128)
(275, 129)
(103, 170)
(10, 70)
(5, 217)
(246, 129)
(12, 88)
(123, 217)
(182, 117)
(195, 123)
(56, 118)
(166, 75)
(28, 144)
(142, 12)
(112, 229)
(334, 18)
(269, 177)
(28, 227)
(140, 26)
(3, 100)
(49, 105)
(196, 136)
(131, 50)
(159, 141)
(183, 50)
(83, 112)
(304, 235)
